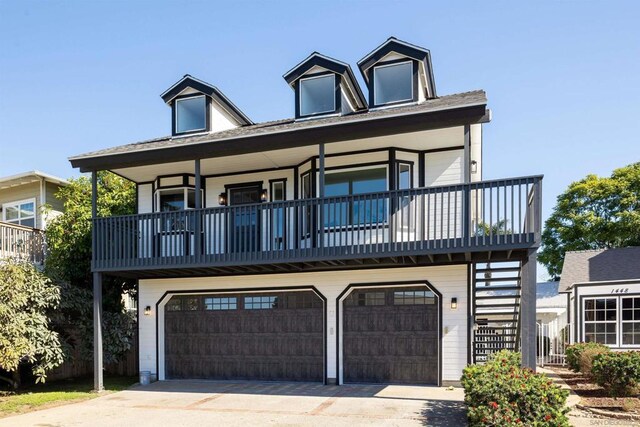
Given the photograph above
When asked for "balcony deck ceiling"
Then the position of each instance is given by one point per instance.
(419, 141)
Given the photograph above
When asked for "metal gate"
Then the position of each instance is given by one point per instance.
(553, 338)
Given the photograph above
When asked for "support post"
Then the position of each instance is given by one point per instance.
(528, 311)
(466, 202)
(321, 193)
(197, 226)
(198, 185)
(98, 380)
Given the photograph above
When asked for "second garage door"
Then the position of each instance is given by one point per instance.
(390, 335)
(272, 336)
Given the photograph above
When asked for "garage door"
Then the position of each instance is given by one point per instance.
(275, 336)
(390, 335)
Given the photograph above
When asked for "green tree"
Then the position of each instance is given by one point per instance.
(593, 213)
(68, 262)
(26, 298)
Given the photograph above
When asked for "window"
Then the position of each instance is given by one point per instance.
(630, 321)
(224, 303)
(317, 95)
(299, 300)
(413, 298)
(278, 191)
(174, 304)
(404, 176)
(365, 298)
(21, 213)
(191, 114)
(260, 302)
(601, 320)
(393, 83)
(175, 199)
(364, 211)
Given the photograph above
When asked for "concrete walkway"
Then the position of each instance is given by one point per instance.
(193, 403)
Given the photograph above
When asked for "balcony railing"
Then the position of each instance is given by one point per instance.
(21, 242)
(480, 216)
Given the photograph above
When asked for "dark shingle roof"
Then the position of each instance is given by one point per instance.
(449, 102)
(600, 265)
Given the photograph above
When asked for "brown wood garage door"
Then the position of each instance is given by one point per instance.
(275, 336)
(390, 335)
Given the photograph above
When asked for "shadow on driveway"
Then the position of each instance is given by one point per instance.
(444, 413)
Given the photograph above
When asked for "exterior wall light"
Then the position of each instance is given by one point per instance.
(264, 196)
(147, 310)
(454, 303)
(222, 199)
(474, 166)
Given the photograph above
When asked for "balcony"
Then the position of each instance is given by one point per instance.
(19, 242)
(480, 221)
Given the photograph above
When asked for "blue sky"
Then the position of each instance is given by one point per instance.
(562, 77)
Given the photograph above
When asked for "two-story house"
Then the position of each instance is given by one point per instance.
(355, 242)
(23, 213)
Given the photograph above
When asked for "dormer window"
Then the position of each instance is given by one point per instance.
(317, 95)
(191, 114)
(396, 73)
(324, 86)
(393, 83)
(197, 106)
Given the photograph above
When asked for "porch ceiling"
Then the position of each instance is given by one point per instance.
(423, 140)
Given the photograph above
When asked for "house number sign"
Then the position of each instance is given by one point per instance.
(620, 290)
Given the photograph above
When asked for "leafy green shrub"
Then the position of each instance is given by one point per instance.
(617, 372)
(501, 393)
(579, 363)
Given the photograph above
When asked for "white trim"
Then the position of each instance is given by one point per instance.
(618, 322)
(316, 114)
(35, 174)
(319, 55)
(19, 219)
(175, 112)
(389, 40)
(395, 64)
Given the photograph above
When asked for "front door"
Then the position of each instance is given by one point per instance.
(244, 224)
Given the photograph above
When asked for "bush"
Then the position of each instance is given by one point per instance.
(501, 393)
(617, 372)
(582, 363)
(585, 358)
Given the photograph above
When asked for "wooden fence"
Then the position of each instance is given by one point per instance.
(79, 367)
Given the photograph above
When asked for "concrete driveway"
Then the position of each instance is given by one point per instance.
(202, 403)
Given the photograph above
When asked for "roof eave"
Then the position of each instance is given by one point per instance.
(334, 132)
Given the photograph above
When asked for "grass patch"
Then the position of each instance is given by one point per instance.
(56, 393)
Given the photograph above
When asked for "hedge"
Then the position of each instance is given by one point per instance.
(617, 372)
(580, 356)
(501, 393)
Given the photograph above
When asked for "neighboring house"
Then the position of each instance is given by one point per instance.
(23, 215)
(347, 244)
(552, 317)
(604, 292)
(550, 303)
